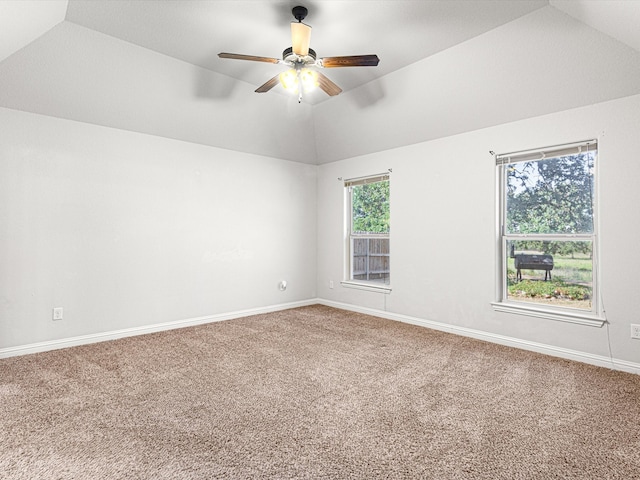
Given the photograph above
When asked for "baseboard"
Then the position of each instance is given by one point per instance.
(130, 332)
(578, 356)
(584, 357)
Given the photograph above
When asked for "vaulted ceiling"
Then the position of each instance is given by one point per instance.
(446, 67)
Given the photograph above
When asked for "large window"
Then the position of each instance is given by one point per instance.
(548, 229)
(368, 231)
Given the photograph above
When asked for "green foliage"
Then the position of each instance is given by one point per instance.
(370, 207)
(552, 196)
(569, 248)
(550, 289)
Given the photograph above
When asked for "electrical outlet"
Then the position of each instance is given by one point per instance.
(57, 313)
(330, 283)
(635, 331)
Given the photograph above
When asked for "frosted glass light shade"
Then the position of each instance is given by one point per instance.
(289, 80)
(309, 79)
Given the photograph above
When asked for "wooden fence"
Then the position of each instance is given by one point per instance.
(371, 259)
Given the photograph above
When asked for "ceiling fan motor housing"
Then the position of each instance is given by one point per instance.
(289, 57)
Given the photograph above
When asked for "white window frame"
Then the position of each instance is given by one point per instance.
(503, 303)
(350, 236)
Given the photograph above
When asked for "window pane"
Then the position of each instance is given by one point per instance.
(553, 196)
(371, 259)
(551, 272)
(370, 208)
(370, 232)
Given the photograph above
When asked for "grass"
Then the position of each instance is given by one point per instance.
(574, 270)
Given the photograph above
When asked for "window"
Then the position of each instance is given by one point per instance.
(367, 235)
(547, 230)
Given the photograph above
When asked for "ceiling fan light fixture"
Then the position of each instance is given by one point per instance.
(309, 79)
(289, 80)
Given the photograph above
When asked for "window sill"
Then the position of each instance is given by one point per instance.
(562, 316)
(371, 287)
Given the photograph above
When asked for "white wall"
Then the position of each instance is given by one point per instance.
(124, 229)
(443, 227)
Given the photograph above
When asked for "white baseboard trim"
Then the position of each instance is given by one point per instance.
(598, 360)
(130, 332)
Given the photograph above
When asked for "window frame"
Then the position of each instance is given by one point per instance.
(503, 303)
(350, 236)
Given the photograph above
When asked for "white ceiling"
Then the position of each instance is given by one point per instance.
(619, 19)
(399, 32)
(151, 66)
(21, 22)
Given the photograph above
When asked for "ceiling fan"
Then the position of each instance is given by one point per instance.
(301, 59)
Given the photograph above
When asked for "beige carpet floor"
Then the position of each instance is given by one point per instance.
(313, 392)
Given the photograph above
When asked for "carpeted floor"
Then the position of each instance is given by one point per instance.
(313, 392)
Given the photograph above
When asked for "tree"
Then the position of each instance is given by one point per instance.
(552, 196)
(370, 207)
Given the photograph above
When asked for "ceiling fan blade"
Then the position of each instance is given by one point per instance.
(351, 61)
(328, 86)
(268, 85)
(253, 58)
(300, 38)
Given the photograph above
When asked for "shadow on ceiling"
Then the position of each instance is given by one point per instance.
(367, 95)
